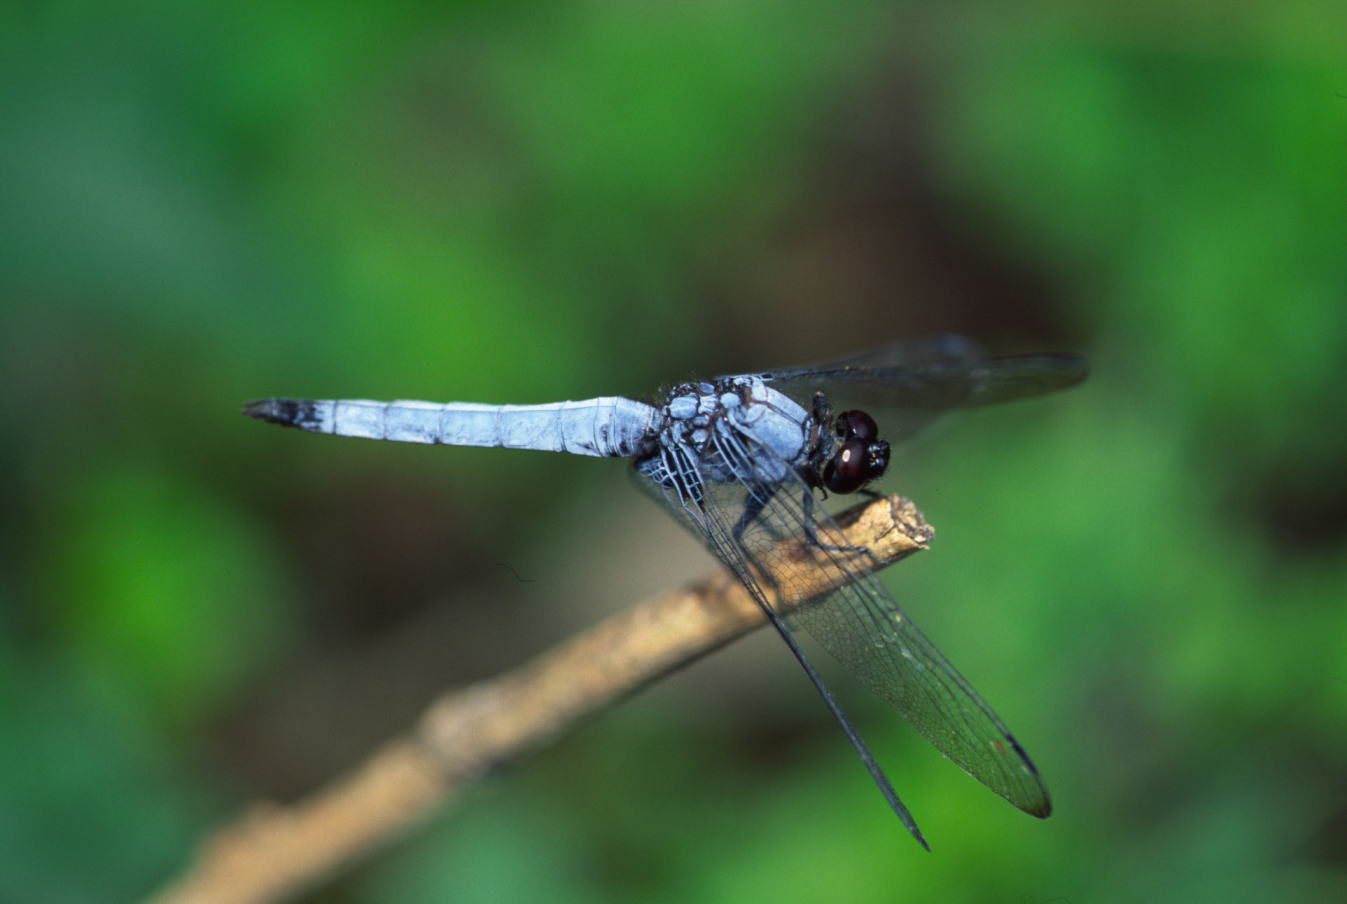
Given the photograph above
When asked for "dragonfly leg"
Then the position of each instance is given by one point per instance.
(758, 497)
(812, 534)
(823, 410)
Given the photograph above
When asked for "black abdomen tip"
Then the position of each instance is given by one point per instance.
(286, 412)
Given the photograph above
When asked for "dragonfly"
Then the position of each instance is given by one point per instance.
(744, 461)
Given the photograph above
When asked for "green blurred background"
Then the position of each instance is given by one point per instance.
(513, 202)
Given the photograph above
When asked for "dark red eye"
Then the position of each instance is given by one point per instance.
(856, 424)
(860, 457)
(846, 473)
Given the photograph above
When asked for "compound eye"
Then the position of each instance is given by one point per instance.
(855, 424)
(855, 464)
(848, 470)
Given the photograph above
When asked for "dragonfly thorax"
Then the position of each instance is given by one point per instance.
(728, 424)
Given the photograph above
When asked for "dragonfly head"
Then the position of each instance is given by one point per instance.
(860, 456)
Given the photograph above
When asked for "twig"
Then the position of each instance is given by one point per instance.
(273, 852)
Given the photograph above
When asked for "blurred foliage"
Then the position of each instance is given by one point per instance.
(520, 202)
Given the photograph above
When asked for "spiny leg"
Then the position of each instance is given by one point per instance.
(812, 535)
(822, 410)
(758, 497)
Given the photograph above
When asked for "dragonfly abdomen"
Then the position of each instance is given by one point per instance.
(611, 426)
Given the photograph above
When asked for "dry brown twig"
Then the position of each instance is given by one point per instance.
(272, 852)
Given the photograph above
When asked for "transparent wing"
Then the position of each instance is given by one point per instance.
(948, 348)
(859, 623)
(920, 380)
(715, 513)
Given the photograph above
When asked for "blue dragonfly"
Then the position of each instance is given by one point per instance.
(742, 461)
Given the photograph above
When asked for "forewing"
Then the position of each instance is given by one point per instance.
(949, 348)
(942, 386)
(918, 381)
(859, 622)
